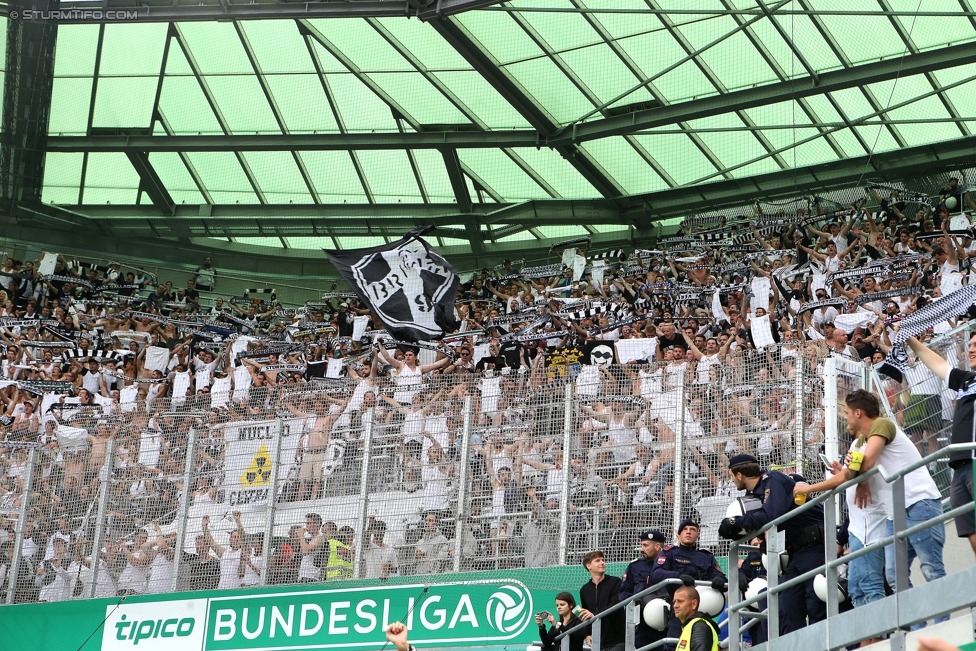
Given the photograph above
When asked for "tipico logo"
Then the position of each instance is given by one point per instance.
(155, 626)
(509, 608)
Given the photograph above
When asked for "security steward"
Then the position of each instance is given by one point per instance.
(340, 563)
(685, 561)
(636, 578)
(698, 632)
(798, 605)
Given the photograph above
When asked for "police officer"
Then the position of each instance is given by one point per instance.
(751, 567)
(804, 537)
(635, 579)
(687, 562)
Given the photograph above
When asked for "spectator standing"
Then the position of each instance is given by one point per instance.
(598, 594)
(202, 569)
(431, 549)
(380, 557)
(867, 521)
(963, 430)
(232, 557)
(308, 571)
(883, 444)
(135, 576)
(206, 277)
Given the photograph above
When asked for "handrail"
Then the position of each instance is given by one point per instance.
(924, 461)
(623, 604)
(847, 558)
(955, 447)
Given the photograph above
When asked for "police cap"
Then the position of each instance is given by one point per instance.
(741, 460)
(653, 535)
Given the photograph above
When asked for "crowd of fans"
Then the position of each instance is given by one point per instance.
(702, 335)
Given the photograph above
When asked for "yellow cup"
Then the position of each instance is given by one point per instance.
(800, 499)
(857, 458)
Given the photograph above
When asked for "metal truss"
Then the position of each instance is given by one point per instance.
(165, 11)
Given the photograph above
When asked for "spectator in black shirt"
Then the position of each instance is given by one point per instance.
(963, 431)
(344, 320)
(562, 621)
(130, 279)
(192, 296)
(511, 351)
(667, 337)
(157, 298)
(951, 190)
(200, 571)
(599, 594)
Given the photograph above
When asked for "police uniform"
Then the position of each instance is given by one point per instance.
(677, 561)
(635, 579)
(753, 568)
(804, 543)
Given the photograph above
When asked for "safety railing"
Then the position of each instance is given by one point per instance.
(776, 546)
(596, 622)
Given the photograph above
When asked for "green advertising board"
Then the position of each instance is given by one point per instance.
(485, 609)
(493, 609)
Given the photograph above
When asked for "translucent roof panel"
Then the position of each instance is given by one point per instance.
(539, 68)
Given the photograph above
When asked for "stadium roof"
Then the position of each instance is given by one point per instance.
(343, 124)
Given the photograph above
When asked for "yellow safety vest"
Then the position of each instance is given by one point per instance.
(339, 565)
(684, 641)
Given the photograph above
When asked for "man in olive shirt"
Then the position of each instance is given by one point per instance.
(882, 444)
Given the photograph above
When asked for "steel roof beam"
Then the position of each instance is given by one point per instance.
(167, 11)
(625, 124)
(855, 76)
(27, 90)
(896, 165)
(486, 65)
(297, 142)
(152, 185)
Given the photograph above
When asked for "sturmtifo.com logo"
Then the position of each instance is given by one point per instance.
(509, 608)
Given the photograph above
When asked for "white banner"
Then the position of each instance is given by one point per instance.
(249, 457)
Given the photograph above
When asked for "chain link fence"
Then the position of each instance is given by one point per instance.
(376, 478)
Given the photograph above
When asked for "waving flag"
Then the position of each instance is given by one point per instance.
(408, 286)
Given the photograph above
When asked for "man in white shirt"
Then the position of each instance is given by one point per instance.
(431, 548)
(135, 576)
(308, 571)
(231, 562)
(380, 557)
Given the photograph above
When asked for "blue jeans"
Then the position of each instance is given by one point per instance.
(865, 575)
(926, 545)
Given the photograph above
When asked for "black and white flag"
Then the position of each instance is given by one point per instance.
(408, 286)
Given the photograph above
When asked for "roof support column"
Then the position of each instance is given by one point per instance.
(26, 104)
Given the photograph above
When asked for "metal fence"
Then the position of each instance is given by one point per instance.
(362, 479)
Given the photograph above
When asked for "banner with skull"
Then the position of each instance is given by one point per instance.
(600, 352)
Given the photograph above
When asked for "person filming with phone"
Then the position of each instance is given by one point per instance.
(567, 617)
